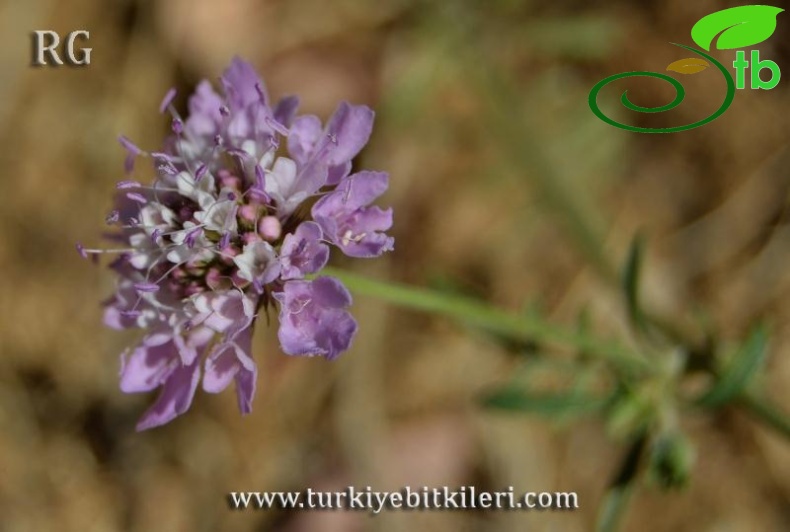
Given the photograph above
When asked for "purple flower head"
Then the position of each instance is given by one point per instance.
(350, 222)
(313, 318)
(224, 232)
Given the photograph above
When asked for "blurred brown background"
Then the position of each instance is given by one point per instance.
(483, 124)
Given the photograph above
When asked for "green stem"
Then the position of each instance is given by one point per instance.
(766, 412)
(479, 314)
(615, 502)
(613, 507)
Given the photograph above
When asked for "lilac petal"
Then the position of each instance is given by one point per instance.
(355, 191)
(147, 367)
(337, 173)
(242, 85)
(311, 177)
(112, 217)
(261, 92)
(220, 369)
(362, 188)
(167, 100)
(191, 343)
(245, 390)
(204, 111)
(247, 375)
(331, 293)
(305, 132)
(115, 318)
(285, 110)
(233, 361)
(174, 399)
(230, 313)
(303, 252)
(338, 334)
(156, 338)
(81, 250)
(258, 262)
(348, 221)
(313, 319)
(369, 241)
(347, 132)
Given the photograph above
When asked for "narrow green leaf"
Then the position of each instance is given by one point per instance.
(548, 404)
(630, 281)
(739, 27)
(767, 412)
(744, 364)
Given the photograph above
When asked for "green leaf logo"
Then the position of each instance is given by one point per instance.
(739, 27)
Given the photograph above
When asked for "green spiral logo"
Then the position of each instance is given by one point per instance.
(680, 94)
(736, 27)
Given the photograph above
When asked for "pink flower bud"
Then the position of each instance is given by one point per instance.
(270, 228)
(248, 213)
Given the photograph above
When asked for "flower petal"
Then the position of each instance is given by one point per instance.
(147, 367)
(174, 399)
(242, 85)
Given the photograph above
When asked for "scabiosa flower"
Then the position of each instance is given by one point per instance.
(246, 200)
